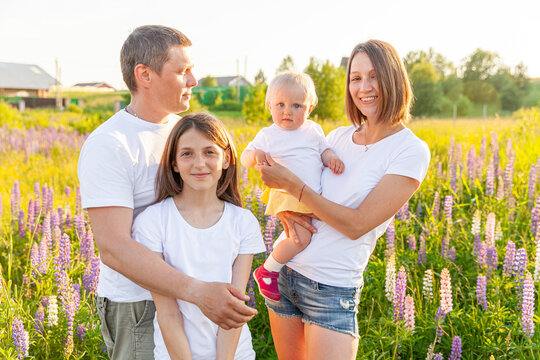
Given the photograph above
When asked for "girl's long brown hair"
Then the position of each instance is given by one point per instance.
(169, 182)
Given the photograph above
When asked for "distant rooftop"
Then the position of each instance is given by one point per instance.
(24, 76)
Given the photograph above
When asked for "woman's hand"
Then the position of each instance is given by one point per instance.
(276, 176)
(288, 219)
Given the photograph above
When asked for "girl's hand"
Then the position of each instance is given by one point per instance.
(288, 219)
(336, 165)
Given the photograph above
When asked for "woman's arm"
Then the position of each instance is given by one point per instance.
(381, 203)
(227, 340)
(171, 323)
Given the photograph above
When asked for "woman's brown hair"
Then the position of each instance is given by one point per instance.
(395, 93)
(169, 182)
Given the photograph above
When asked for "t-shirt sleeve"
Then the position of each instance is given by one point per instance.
(105, 173)
(323, 144)
(147, 229)
(411, 161)
(259, 142)
(252, 241)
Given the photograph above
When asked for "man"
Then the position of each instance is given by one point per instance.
(117, 169)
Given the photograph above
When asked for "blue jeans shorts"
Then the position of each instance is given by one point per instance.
(331, 307)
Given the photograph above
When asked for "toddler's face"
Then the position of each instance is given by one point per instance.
(289, 108)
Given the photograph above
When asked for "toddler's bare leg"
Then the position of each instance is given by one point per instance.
(288, 248)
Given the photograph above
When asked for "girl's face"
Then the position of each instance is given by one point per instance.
(289, 107)
(199, 162)
(364, 86)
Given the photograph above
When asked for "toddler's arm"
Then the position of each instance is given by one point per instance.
(227, 340)
(171, 323)
(331, 160)
(250, 158)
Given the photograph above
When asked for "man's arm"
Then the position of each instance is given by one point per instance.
(220, 302)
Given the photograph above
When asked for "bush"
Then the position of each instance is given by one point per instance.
(254, 108)
(227, 105)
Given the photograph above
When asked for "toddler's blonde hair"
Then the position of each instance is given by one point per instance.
(288, 78)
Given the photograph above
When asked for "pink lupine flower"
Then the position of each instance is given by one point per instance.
(399, 295)
(409, 313)
(446, 291)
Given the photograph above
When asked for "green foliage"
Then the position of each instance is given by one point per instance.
(260, 78)
(9, 116)
(227, 105)
(480, 65)
(287, 64)
(427, 89)
(329, 84)
(254, 108)
(209, 81)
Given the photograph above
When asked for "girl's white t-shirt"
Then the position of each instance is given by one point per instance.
(205, 254)
(299, 150)
(331, 257)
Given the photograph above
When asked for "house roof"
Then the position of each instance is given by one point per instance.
(226, 80)
(24, 76)
(94, 84)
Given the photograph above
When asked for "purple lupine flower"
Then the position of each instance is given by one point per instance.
(438, 356)
(477, 243)
(87, 246)
(448, 199)
(481, 257)
(251, 285)
(91, 275)
(409, 313)
(390, 238)
(245, 179)
(67, 223)
(439, 169)
(81, 332)
(78, 206)
(67, 191)
(500, 188)
(403, 212)
(76, 296)
(419, 209)
(471, 169)
(22, 225)
(481, 291)
(508, 177)
(527, 306)
(411, 241)
(422, 251)
(39, 319)
(439, 319)
(492, 259)
(30, 220)
(64, 251)
(34, 257)
(535, 217)
(15, 199)
(445, 244)
(455, 354)
(269, 233)
(55, 220)
(261, 206)
(490, 180)
(20, 338)
(452, 254)
(436, 205)
(69, 310)
(482, 154)
(399, 295)
(37, 190)
(532, 185)
(519, 267)
(60, 212)
(78, 225)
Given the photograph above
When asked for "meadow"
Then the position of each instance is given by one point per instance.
(456, 275)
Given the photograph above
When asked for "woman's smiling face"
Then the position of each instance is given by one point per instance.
(364, 86)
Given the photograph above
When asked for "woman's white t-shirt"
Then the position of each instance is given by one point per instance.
(205, 254)
(331, 257)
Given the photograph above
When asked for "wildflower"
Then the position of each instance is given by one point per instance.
(78, 207)
(490, 230)
(519, 267)
(492, 258)
(508, 177)
(403, 212)
(422, 251)
(481, 291)
(436, 205)
(471, 169)
(452, 254)
(537, 263)
(476, 246)
(448, 208)
(446, 291)
(509, 258)
(390, 280)
(52, 311)
(481, 257)
(269, 233)
(500, 188)
(438, 356)
(20, 338)
(476, 222)
(30, 220)
(81, 331)
(90, 276)
(527, 306)
(455, 354)
(427, 282)
(409, 313)
(418, 209)
(39, 319)
(34, 257)
(15, 199)
(251, 285)
(411, 241)
(532, 185)
(490, 180)
(498, 232)
(399, 295)
(439, 319)
(535, 217)
(390, 238)
(67, 191)
(22, 230)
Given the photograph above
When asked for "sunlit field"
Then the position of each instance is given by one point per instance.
(456, 275)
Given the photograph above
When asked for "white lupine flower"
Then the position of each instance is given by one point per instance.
(52, 311)
(476, 222)
(427, 289)
(390, 284)
(498, 231)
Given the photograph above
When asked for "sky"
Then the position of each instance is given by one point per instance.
(243, 36)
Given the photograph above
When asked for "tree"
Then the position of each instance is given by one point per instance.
(287, 64)
(254, 108)
(330, 86)
(260, 78)
(208, 81)
(441, 65)
(480, 65)
(426, 88)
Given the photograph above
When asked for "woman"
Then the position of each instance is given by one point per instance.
(384, 165)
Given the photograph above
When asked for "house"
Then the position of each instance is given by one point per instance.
(231, 81)
(92, 86)
(344, 62)
(24, 80)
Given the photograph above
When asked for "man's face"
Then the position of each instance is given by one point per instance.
(173, 85)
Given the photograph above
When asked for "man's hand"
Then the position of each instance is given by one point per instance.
(336, 165)
(223, 304)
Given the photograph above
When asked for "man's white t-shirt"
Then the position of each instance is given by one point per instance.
(298, 150)
(205, 254)
(332, 258)
(117, 167)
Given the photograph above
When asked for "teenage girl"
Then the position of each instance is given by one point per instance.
(199, 227)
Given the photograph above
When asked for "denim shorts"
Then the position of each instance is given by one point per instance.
(331, 307)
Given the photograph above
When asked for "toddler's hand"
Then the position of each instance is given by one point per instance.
(260, 157)
(336, 165)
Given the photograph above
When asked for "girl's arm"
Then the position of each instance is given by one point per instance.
(382, 202)
(250, 158)
(227, 340)
(171, 323)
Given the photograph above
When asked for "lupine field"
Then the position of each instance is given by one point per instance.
(455, 277)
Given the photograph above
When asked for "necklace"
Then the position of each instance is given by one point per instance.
(366, 147)
(130, 111)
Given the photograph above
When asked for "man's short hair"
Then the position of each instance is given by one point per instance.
(148, 45)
